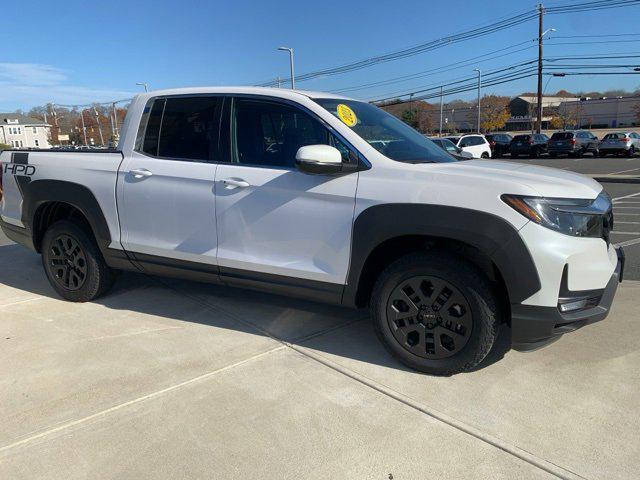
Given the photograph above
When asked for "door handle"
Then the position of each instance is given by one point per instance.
(141, 173)
(231, 183)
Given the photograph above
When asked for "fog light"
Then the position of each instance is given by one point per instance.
(575, 305)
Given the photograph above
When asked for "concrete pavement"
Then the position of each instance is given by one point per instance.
(171, 379)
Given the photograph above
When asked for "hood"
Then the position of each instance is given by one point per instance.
(547, 182)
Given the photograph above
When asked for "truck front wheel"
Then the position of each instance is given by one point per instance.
(435, 312)
(73, 263)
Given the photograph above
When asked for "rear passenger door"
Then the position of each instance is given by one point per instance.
(166, 190)
(276, 224)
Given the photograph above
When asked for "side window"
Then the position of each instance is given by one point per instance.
(189, 130)
(268, 133)
(465, 142)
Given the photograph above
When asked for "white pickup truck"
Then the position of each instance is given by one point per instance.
(318, 196)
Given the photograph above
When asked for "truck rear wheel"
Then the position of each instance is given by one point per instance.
(435, 312)
(73, 263)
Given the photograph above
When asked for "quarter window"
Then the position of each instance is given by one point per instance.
(269, 134)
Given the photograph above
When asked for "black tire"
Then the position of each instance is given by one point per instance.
(631, 152)
(514, 155)
(602, 154)
(472, 320)
(553, 155)
(73, 263)
(596, 152)
(485, 155)
(535, 153)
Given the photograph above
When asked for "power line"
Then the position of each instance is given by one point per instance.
(456, 80)
(421, 48)
(444, 68)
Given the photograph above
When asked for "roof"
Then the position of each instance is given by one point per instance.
(6, 119)
(547, 101)
(274, 92)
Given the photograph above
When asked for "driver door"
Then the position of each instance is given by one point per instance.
(275, 223)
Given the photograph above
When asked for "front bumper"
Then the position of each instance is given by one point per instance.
(533, 327)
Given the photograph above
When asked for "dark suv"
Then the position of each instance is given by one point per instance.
(531, 144)
(499, 143)
(574, 144)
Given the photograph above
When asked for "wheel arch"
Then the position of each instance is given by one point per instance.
(384, 233)
(50, 200)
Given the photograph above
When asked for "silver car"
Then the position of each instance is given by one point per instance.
(627, 143)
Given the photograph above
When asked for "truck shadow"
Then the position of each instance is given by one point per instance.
(328, 330)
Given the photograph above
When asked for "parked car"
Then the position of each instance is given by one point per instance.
(531, 144)
(327, 198)
(500, 144)
(573, 143)
(448, 146)
(475, 144)
(627, 143)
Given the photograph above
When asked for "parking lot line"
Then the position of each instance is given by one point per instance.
(624, 171)
(120, 406)
(628, 223)
(628, 243)
(627, 196)
(625, 233)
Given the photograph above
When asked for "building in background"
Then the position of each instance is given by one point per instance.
(605, 112)
(20, 131)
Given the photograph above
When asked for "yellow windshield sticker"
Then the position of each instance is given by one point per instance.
(347, 115)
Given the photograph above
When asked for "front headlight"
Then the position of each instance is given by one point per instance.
(571, 216)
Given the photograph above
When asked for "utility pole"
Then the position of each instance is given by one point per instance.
(55, 122)
(279, 83)
(540, 35)
(115, 120)
(99, 126)
(441, 110)
(479, 86)
(84, 128)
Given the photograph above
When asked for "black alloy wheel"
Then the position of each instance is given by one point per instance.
(68, 262)
(73, 262)
(435, 312)
(429, 317)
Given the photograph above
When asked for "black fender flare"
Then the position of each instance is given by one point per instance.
(40, 192)
(493, 236)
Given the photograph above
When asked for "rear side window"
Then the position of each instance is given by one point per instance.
(183, 128)
(521, 138)
(189, 129)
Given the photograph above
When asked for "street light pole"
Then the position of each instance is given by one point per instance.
(479, 86)
(441, 110)
(290, 50)
(145, 85)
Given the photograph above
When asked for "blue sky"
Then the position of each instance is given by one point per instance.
(76, 51)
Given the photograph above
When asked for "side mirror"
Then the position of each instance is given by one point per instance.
(319, 159)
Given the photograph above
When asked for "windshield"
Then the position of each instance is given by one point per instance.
(615, 136)
(384, 132)
(562, 136)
